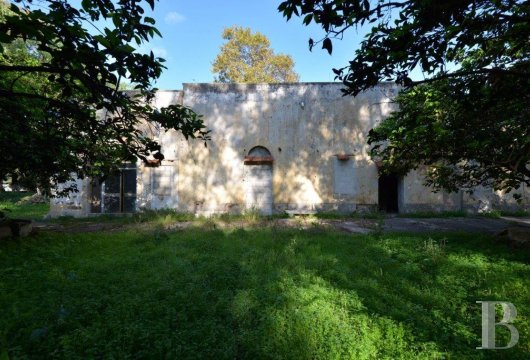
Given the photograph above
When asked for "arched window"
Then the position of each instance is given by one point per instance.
(259, 155)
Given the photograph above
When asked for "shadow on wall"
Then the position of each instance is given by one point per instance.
(484, 200)
(415, 197)
(317, 138)
(304, 126)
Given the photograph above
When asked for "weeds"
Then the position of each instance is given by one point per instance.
(521, 213)
(251, 215)
(163, 217)
(492, 214)
(252, 294)
(435, 249)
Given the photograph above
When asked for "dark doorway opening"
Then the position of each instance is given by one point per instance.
(389, 193)
(117, 194)
(120, 192)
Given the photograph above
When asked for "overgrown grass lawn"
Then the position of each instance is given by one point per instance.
(12, 205)
(256, 293)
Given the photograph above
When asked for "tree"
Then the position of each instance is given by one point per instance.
(467, 134)
(63, 113)
(469, 118)
(247, 57)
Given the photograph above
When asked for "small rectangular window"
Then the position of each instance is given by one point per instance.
(162, 180)
(344, 181)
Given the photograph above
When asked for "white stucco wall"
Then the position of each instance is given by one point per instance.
(304, 126)
(76, 204)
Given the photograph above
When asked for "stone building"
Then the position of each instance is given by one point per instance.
(275, 147)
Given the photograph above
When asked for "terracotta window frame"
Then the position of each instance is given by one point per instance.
(258, 160)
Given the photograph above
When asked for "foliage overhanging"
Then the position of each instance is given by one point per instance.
(61, 72)
(468, 118)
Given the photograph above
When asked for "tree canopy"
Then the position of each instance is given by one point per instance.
(247, 57)
(62, 109)
(468, 117)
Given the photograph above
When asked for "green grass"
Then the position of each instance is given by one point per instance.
(166, 217)
(492, 214)
(256, 293)
(12, 207)
(520, 213)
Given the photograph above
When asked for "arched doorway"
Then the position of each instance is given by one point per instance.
(258, 180)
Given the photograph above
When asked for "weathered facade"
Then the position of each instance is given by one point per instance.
(274, 147)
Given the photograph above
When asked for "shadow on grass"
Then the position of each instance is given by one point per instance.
(260, 293)
(15, 204)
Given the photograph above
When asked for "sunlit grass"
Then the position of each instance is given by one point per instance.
(13, 207)
(256, 293)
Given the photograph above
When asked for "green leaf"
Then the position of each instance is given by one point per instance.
(149, 20)
(328, 45)
(126, 48)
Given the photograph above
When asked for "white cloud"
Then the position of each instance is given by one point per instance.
(174, 17)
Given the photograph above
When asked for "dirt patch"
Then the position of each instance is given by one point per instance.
(358, 226)
(88, 227)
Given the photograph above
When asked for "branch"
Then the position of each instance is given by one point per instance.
(515, 18)
(91, 83)
(471, 72)
(363, 16)
(54, 102)
(35, 69)
(390, 5)
(10, 94)
(16, 79)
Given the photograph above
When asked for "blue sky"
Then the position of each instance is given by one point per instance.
(192, 37)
